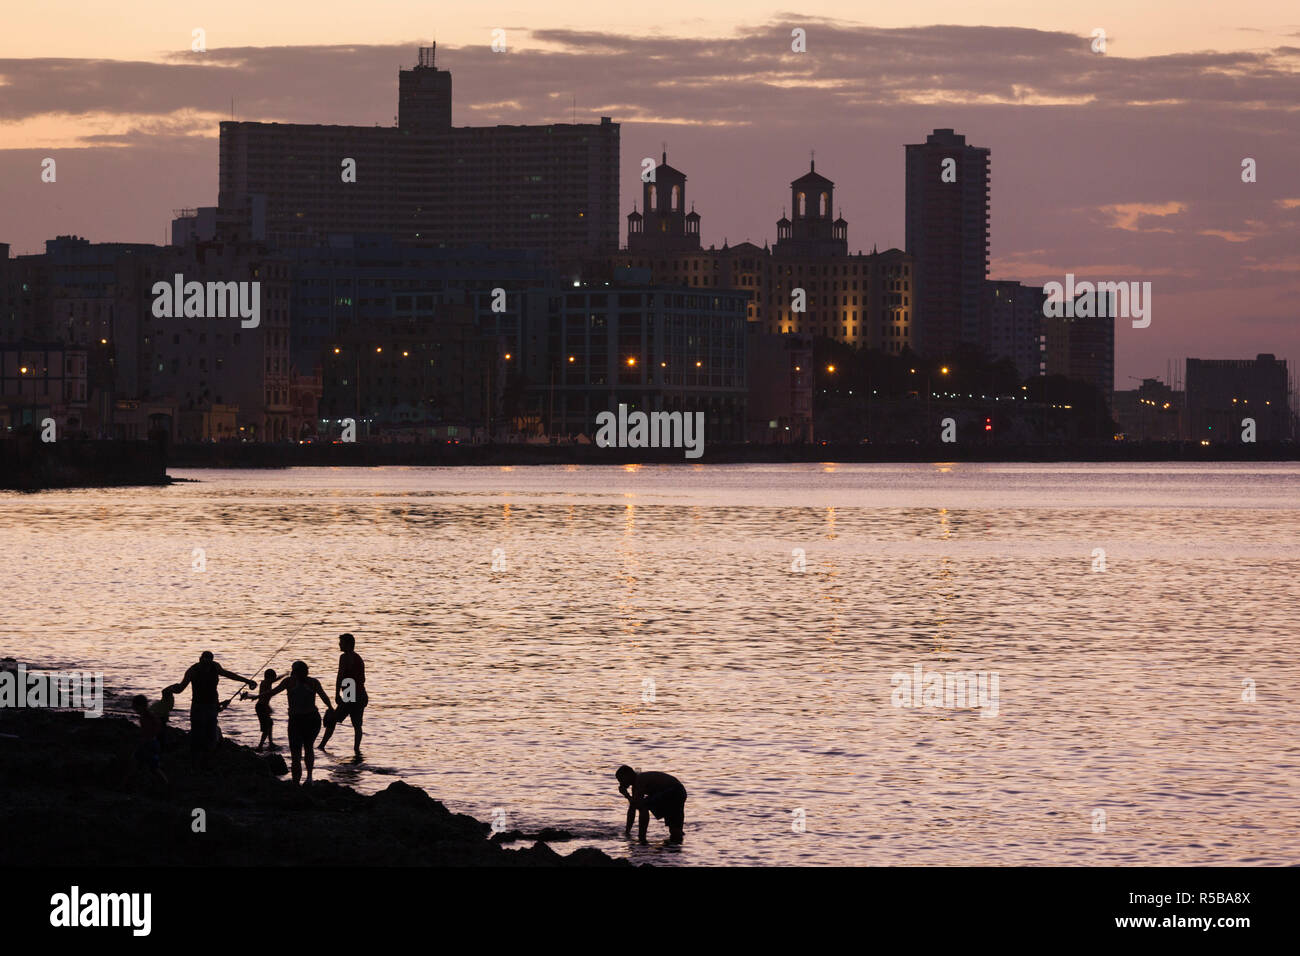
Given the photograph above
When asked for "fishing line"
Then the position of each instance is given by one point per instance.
(273, 657)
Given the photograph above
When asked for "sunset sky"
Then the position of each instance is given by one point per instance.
(1120, 166)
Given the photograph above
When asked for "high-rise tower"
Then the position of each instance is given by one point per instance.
(948, 234)
(552, 187)
(424, 96)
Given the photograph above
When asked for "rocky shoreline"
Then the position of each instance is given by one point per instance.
(72, 794)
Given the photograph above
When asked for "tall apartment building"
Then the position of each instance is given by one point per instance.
(864, 300)
(426, 182)
(1221, 393)
(1011, 324)
(948, 236)
(1081, 348)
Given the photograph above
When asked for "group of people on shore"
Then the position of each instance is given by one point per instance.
(648, 793)
(300, 689)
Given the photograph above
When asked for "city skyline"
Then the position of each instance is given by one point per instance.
(701, 436)
(1215, 252)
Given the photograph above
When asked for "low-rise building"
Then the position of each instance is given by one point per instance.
(40, 381)
(652, 348)
(1153, 412)
(1223, 393)
(780, 400)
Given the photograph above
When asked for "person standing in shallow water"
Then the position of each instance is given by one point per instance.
(653, 792)
(204, 705)
(263, 709)
(349, 693)
(304, 718)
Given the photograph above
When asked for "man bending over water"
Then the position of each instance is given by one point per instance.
(653, 792)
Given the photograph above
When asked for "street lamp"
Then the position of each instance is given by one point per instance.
(356, 379)
(929, 390)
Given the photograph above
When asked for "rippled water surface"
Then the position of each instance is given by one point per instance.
(1120, 690)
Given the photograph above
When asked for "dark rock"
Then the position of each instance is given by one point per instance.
(66, 776)
(275, 763)
(548, 835)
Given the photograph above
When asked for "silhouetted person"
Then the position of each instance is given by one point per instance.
(349, 693)
(148, 753)
(204, 704)
(162, 708)
(653, 792)
(263, 709)
(304, 718)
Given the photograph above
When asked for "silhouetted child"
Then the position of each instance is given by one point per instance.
(149, 752)
(263, 709)
(162, 708)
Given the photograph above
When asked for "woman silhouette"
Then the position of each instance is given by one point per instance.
(304, 718)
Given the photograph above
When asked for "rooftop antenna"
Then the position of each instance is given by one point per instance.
(812, 160)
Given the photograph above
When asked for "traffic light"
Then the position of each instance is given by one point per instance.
(988, 424)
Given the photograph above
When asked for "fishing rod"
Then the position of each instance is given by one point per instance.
(273, 657)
